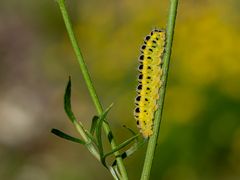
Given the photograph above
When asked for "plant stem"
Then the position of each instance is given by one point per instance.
(90, 86)
(90, 147)
(158, 115)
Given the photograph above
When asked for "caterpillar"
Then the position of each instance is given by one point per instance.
(150, 72)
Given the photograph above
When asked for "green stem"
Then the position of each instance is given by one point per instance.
(90, 86)
(89, 145)
(158, 115)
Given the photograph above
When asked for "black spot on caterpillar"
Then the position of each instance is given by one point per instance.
(149, 79)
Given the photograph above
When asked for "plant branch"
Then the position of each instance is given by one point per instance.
(158, 115)
(89, 84)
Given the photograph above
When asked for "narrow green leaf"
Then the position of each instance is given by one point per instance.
(84, 133)
(91, 137)
(99, 132)
(66, 136)
(131, 150)
(93, 125)
(68, 110)
(67, 101)
(117, 172)
(122, 145)
(114, 173)
(129, 129)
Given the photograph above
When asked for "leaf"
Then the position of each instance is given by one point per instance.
(68, 110)
(114, 173)
(93, 125)
(99, 132)
(67, 101)
(91, 137)
(129, 129)
(122, 145)
(66, 136)
(131, 150)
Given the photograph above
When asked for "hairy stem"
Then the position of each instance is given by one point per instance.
(90, 86)
(158, 115)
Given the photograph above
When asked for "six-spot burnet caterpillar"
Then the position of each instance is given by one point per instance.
(150, 69)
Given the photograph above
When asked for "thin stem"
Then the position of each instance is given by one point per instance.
(158, 115)
(89, 145)
(90, 86)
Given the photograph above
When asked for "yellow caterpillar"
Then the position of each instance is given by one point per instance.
(150, 69)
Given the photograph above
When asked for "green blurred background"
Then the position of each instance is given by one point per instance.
(200, 131)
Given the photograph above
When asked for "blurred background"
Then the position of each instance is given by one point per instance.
(200, 131)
